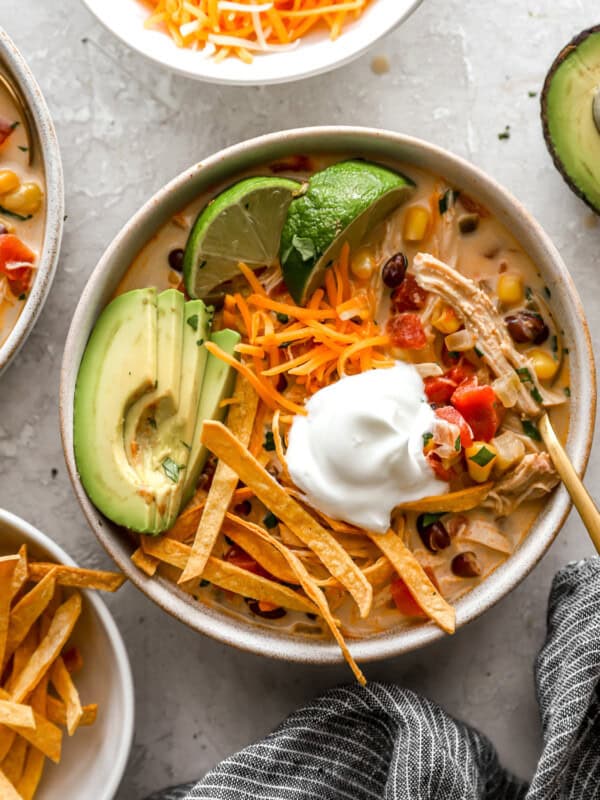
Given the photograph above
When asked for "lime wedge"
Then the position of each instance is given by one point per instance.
(243, 223)
(342, 203)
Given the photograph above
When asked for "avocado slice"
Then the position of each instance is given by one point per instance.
(571, 115)
(118, 367)
(217, 385)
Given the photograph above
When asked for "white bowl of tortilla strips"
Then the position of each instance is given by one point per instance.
(300, 391)
(65, 685)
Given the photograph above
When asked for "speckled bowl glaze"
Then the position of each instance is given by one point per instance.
(389, 148)
(13, 63)
(94, 759)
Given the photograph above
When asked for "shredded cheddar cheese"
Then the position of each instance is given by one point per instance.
(220, 28)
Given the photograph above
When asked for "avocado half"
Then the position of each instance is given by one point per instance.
(571, 115)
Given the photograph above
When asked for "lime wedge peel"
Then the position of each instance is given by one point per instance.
(243, 223)
(342, 204)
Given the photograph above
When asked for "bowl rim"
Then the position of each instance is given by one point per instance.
(54, 197)
(251, 636)
(305, 71)
(99, 608)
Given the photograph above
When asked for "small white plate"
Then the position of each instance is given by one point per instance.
(316, 53)
(94, 759)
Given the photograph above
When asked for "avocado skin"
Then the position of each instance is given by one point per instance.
(560, 59)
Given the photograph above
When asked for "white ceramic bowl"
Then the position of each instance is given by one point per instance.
(395, 150)
(94, 759)
(12, 62)
(315, 54)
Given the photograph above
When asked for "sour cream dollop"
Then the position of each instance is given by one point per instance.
(359, 451)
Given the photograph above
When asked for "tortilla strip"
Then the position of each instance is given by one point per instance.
(416, 580)
(463, 500)
(49, 648)
(229, 577)
(45, 736)
(78, 577)
(65, 688)
(7, 790)
(240, 423)
(228, 449)
(27, 611)
(34, 761)
(318, 597)
(13, 764)
(21, 572)
(16, 714)
(243, 533)
(8, 564)
(144, 562)
(57, 712)
(379, 572)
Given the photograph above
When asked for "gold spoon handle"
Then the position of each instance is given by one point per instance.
(579, 494)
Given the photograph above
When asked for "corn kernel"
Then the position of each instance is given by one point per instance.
(362, 264)
(446, 320)
(26, 199)
(416, 223)
(510, 289)
(9, 180)
(481, 457)
(544, 365)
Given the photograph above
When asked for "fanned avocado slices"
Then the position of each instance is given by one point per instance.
(342, 203)
(571, 115)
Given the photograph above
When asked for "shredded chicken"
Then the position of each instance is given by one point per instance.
(481, 319)
(534, 477)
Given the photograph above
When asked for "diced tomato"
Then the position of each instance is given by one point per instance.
(240, 558)
(405, 603)
(478, 405)
(441, 472)
(406, 330)
(408, 296)
(459, 373)
(439, 389)
(6, 128)
(14, 251)
(450, 414)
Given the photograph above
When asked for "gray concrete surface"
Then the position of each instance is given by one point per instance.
(459, 73)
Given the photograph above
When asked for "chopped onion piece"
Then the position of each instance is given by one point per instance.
(460, 341)
(190, 27)
(429, 369)
(10, 265)
(506, 389)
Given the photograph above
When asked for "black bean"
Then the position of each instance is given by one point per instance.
(176, 259)
(526, 327)
(466, 565)
(394, 270)
(275, 613)
(434, 536)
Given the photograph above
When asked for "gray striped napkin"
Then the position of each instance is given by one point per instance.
(384, 742)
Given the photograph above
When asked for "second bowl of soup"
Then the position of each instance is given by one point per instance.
(300, 392)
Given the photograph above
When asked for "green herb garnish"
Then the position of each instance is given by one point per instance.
(199, 342)
(532, 94)
(524, 375)
(269, 443)
(425, 520)
(283, 318)
(283, 345)
(193, 322)
(171, 469)
(555, 344)
(22, 148)
(305, 247)
(23, 296)
(536, 395)
(14, 214)
(505, 133)
(567, 391)
(457, 444)
(529, 429)
(427, 437)
(270, 521)
(483, 457)
(152, 422)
